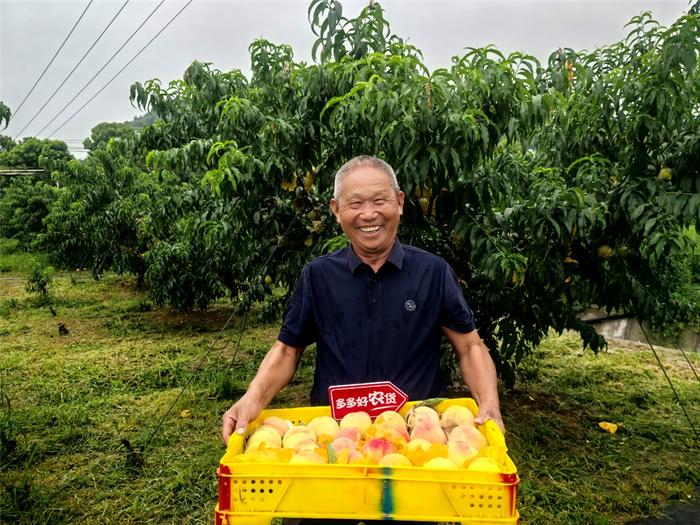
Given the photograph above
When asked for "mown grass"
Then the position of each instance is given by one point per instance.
(78, 409)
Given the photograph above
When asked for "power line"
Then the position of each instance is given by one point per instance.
(74, 68)
(54, 58)
(121, 70)
(102, 68)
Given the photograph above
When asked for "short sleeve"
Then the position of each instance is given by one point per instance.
(455, 314)
(299, 326)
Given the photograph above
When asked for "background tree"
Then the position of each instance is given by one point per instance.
(104, 131)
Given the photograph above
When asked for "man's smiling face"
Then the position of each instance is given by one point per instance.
(368, 210)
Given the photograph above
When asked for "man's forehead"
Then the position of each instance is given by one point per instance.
(366, 179)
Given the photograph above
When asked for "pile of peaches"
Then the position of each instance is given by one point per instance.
(426, 438)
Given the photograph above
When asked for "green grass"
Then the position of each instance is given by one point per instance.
(73, 403)
(14, 261)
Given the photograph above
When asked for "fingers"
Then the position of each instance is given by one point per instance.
(230, 422)
(495, 415)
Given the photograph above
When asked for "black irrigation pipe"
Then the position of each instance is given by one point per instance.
(678, 398)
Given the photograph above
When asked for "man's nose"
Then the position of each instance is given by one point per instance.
(368, 209)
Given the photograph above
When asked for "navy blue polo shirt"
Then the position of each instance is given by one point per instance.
(382, 326)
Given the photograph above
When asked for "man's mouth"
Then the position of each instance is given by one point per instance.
(369, 229)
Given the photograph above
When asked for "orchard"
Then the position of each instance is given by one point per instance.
(549, 187)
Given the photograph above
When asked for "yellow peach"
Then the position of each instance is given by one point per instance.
(460, 453)
(351, 433)
(418, 444)
(395, 460)
(439, 463)
(324, 426)
(388, 430)
(282, 425)
(376, 448)
(350, 456)
(341, 443)
(299, 429)
(484, 464)
(306, 457)
(430, 431)
(420, 414)
(454, 416)
(293, 440)
(391, 416)
(468, 434)
(264, 435)
(358, 420)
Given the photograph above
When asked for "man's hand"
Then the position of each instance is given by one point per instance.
(490, 412)
(236, 418)
(275, 371)
(478, 373)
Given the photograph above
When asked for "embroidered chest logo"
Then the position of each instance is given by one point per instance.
(410, 305)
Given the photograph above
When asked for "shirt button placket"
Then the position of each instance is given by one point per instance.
(373, 296)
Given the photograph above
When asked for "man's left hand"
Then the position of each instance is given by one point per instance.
(486, 413)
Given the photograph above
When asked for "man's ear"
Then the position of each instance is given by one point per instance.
(335, 208)
(400, 199)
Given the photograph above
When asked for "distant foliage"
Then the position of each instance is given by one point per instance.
(548, 187)
(24, 205)
(33, 153)
(39, 280)
(104, 131)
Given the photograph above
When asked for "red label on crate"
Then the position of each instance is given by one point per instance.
(373, 398)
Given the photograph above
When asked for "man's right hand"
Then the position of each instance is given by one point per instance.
(236, 418)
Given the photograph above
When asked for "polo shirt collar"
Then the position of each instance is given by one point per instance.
(396, 257)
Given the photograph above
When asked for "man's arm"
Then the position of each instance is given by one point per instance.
(274, 373)
(478, 373)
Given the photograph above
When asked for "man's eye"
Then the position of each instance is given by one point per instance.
(355, 204)
(379, 202)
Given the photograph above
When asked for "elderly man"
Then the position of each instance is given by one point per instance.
(376, 310)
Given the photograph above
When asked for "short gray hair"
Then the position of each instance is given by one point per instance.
(362, 161)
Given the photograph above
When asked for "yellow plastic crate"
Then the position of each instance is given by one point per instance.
(254, 493)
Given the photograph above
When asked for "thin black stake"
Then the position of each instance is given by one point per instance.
(678, 345)
(678, 398)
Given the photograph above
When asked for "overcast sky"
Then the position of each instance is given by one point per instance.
(219, 32)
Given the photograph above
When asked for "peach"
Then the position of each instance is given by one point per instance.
(359, 420)
(430, 431)
(454, 416)
(439, 463)
(293, 440)
(342, 443)
(282, 425)
(392, 417)
(460, 453)
(484, 464)
(306, 457)
(300, 429)
(395, 459)
(264, 435)
(376, 448)
(324, 426)
(351, 433)
(350, 456)
(468, 434)
(420, 414)
(418, 444)
(388, 430)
